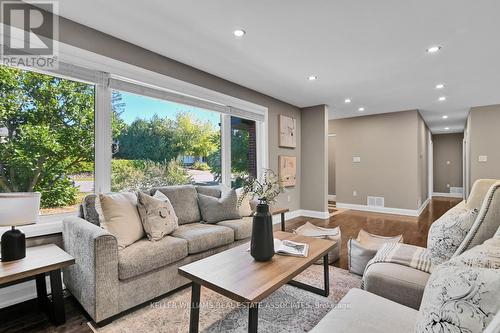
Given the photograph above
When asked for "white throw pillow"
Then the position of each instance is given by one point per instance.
(245, 208)
(120, 217)
(448, 232)
(462, 295)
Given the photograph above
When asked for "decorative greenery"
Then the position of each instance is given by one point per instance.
(266, 190)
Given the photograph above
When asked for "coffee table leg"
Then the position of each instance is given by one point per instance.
(41, 291)
(326, 275)
(194, 318)
(253, 317)
(282, 221)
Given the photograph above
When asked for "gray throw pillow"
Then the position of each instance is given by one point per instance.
(213, 191)
(157, 216)
(449, 231)
(89, 211)
(461, 295)
(214, 210)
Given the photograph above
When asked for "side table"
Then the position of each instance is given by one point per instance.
(282, 212)
(40, 260)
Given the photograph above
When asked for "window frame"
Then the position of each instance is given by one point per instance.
(103, 114)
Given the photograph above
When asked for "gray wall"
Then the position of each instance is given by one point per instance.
(388, 147)
(92, 40)
(423, 160)
(483, 127)
(314, 196)
(447, 161)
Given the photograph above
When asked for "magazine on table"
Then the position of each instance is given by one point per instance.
(290, 248)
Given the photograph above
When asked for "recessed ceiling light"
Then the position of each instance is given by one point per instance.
(347, 100)
(444, 117)
(312, 77)
(442, 98)
(361, 109)
(433, 49)
(239, 33)
(439, 86)
(446, 128)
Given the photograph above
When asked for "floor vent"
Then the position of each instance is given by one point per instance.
(375, 201)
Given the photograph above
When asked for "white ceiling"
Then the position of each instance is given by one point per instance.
(370, 51)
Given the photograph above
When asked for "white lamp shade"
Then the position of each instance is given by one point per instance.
(19, 208)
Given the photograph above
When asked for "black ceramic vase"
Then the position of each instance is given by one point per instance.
(262, 243)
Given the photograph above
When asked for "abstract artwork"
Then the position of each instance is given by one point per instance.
(288, 132)
(287, 170)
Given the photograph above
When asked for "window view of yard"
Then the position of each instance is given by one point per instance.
(47, 141)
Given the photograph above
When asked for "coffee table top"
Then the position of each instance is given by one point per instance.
(39, 259)
(235, 274)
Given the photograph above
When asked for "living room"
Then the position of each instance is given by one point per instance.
(226, 166)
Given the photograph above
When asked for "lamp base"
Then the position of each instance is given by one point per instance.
(13, 245)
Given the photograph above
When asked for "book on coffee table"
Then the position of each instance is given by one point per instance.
(291, 248)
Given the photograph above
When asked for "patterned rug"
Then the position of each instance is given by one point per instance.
(288, 309)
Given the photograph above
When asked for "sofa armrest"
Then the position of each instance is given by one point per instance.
(93, 279)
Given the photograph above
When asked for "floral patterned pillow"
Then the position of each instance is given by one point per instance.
(462, 295)
(448, 232)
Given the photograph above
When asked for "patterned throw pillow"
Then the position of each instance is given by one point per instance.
(448, 232)
(462, 295)
(157, 216)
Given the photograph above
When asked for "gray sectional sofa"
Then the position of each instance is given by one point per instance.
(107, 281)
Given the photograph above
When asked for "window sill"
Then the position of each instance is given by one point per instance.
(47, 225)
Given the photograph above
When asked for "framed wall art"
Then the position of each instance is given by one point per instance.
(287, 170)
(287, 131)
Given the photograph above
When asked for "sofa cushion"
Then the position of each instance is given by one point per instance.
(242, 227)
(213, 191)
(461, 295)
(449, 231)
(362, 249)
(184, 199)
(157, 216)
(244, 205)
(89, 211)
(214, 210)
(119, 216)
(401, 284)
(202, 237)
(487, 222)
(144, 256)
(360, 312)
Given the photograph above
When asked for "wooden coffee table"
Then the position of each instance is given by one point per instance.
(236, 275)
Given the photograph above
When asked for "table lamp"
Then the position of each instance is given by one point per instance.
(17, 209)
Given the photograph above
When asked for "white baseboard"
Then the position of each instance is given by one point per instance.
(447, 195)
(301, 213)
(332, 197)
(385, 210)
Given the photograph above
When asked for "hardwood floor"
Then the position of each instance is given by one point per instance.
(25, 317)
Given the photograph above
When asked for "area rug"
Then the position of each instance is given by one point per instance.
(288, 309)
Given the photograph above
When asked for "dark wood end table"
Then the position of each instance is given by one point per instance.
(40, 260)
(282, 212)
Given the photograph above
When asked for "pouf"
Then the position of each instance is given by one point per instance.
(311, 230)
(362, 249)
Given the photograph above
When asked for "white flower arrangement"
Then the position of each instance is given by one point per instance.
(265, 190)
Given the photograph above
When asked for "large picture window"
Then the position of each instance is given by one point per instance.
(159, 143)
(46, 138)
(76, 131)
